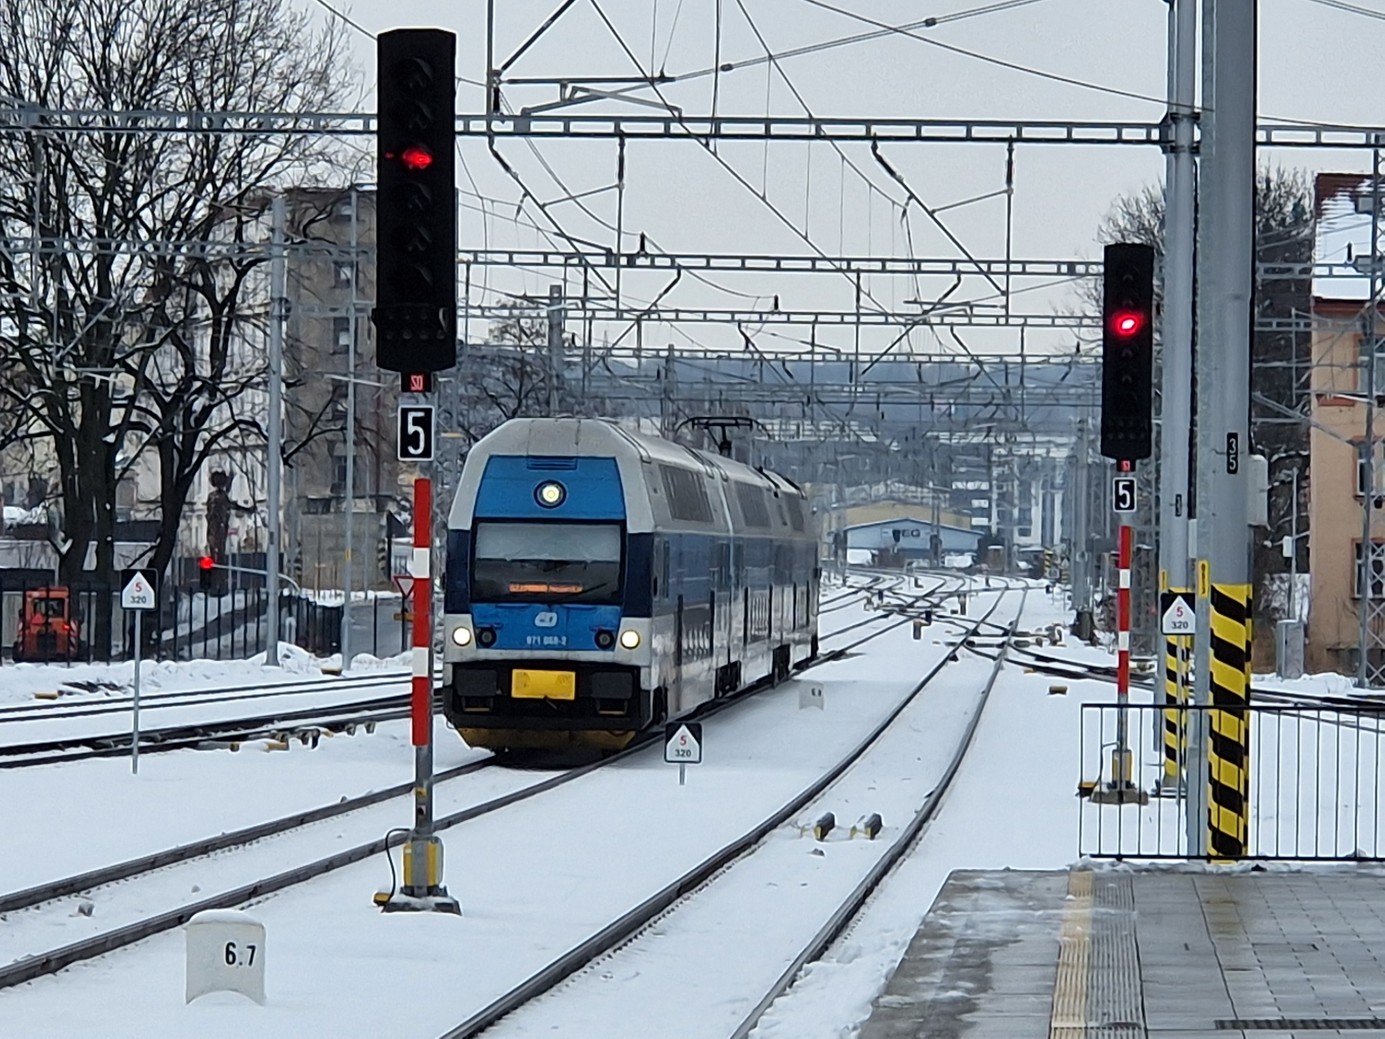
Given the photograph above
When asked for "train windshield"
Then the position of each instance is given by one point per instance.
(50, 608)
(547, 562)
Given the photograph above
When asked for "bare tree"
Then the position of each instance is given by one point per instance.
(508, 376)
(127, 259)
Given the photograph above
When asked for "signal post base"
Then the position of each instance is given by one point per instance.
(1112, 794)
(423, 890)
(399, 902)
(1121, 789)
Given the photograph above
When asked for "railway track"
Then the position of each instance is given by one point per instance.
(303, 724)
(50, 891)
(49, 961)
(850, 907)
(43, 962)
(630, 924)
(86, 707)
(1046, 663)
(1362, 713)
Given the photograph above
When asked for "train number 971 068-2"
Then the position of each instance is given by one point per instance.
(546, 640)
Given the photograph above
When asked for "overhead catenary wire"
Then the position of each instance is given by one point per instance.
(824, 45)
(989, 59)
(348, 20)
(571, 196)
(1342, 5)
(735, 174)
(803, 103)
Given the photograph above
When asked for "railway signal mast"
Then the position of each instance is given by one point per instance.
(1127, 426)
(415, 318)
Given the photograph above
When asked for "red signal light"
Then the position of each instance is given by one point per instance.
(416, 158)
(206, 563)
(1126, 323)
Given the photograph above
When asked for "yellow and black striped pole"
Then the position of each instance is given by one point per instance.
(1176, 653)
(1228, 760)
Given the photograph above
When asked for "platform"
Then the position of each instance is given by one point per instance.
(1130, 954)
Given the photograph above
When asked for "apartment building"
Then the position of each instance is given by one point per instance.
(1342, 480)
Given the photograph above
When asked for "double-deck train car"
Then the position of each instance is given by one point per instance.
(599, 581)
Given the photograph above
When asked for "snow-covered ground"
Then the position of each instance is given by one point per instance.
(533, 879)
(539, 876)
(93, 813)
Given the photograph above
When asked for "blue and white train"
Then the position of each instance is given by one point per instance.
(599, 582)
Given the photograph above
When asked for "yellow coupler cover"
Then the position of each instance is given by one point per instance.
(543, 685)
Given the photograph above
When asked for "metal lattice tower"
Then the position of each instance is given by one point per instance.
(1371, 576)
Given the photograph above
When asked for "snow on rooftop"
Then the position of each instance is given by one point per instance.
(13, 515)
(1342, 234)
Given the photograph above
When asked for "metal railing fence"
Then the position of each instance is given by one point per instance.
(193, 625)
(1314, 778)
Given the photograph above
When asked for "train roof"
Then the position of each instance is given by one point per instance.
(562, 437)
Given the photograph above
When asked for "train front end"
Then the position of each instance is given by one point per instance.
(546, 611)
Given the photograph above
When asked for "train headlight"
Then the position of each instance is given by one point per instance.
(461, 636)
(605, 639)
(486, 636)
(629, 638)
(550, 494)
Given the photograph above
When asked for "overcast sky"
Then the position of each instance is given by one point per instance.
(1317, 63)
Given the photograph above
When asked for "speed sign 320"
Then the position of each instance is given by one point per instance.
(416, 433)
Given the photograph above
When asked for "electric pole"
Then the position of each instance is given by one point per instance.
(274, 432)
(1226, 237)
(1177, 353)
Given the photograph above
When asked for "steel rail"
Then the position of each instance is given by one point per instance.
(38, 965)
(47, 711)
(848, 910)
(335, 717)
(54, 889)
(35, 966)
(913, 599)
(632, 921)
(1077, 671)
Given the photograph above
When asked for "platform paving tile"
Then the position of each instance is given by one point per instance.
(1168, 954)
(983, 964)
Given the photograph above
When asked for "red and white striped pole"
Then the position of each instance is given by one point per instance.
(421, 567)
(1122, 770)
(423, 853)
(1123, 615)
(423, 887)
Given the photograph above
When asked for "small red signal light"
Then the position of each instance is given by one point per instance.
(206, 563)
(1126, 323)
(416, 158)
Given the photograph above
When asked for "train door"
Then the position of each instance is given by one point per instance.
(675, 692)
(721, 609)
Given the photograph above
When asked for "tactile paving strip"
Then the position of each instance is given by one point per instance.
(1068, 1019)
(1114, 1005)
